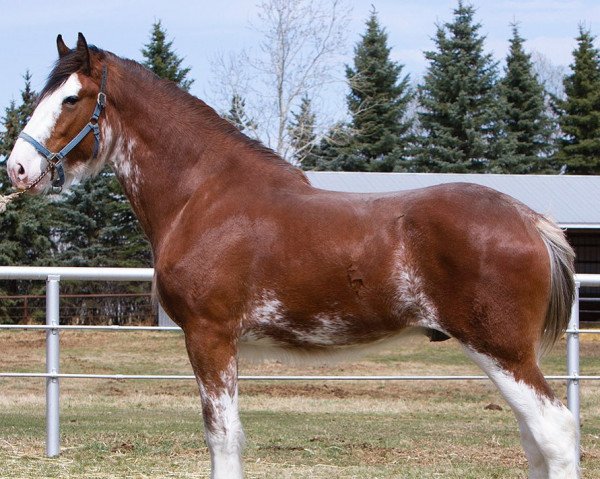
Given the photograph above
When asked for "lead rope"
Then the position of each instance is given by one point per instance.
(5, 200)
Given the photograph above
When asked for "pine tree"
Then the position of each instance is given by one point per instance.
(28, 100)
(334, 153)
(459, 100)
(580, 111)
(303, 136)
(12, 127)
(237, 114)
(30, 209)
(25, 226)
(526, 120)
(15, 120)
(378, 99)
(97, 227)
(162, 60)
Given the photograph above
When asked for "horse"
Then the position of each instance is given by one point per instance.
(249, 255)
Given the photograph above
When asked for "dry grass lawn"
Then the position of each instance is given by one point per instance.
(152, 429)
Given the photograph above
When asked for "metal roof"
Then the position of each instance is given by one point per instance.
(573, 201)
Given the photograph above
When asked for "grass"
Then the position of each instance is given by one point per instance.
(149, 429)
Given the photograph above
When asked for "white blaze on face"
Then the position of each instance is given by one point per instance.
(40, 127)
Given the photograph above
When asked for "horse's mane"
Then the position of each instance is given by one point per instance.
(74, 62)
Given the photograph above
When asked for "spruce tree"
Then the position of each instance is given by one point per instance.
(15, 119)
(12, 127)
(460, 104)
(526, 119)
(237, 114)
(97, 227)
(580, 111)
(378, 100)
(162, 60)
(334, 153)
(25, 226)
(303, 136)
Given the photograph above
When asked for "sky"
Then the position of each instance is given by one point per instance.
(203, 29)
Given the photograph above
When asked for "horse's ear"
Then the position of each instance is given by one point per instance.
(84, 51)
(62, 48)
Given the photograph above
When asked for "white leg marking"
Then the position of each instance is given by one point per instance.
(548, 430)
(223, 429)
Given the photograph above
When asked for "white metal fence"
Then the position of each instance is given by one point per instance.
(53, 276)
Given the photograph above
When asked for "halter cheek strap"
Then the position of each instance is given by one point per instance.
(55, 160)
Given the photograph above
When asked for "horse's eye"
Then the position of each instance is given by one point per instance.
(70, 100)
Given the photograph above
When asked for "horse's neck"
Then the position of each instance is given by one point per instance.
(168, 150)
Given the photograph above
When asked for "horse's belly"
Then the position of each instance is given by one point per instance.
(331, 339)
(319, 331)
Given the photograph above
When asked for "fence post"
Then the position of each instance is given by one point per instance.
(52, 367)
(573, 369)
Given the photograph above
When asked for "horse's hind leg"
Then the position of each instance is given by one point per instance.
(548, 430)
(213, 358)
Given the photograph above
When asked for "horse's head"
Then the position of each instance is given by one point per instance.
(69, 109)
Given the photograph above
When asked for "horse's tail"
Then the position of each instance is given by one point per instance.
(562, 282)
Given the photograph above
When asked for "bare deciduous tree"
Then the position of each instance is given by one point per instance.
(301, 41)
(551, 76)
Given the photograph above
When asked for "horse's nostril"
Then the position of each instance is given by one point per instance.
(20, 170)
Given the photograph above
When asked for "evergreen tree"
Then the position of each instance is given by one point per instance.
(97, 227)
(526, 120)
(378, 99)
(580, 111)
(237, 114)
(460, 104)
(334, 153)
(162, 60)
(303, 137)
(25, 226)
(12, 127)
(14, 121)
(28, 100)
(17, 238)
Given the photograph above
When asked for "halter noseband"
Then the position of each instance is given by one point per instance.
(55, 160)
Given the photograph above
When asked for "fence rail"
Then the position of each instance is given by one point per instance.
(53, 276)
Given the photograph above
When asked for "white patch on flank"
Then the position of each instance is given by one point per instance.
(548, 431)
(267, 310)
(40, 127)
(411, 298)
(268, 313)
(329, 331)
(223, 431)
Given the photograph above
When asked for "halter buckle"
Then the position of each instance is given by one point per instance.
(57, 175)
(55, 159)
(101, 99)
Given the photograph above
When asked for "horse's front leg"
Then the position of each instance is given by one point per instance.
(213, 355)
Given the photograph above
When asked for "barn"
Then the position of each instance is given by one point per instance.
(573, 201)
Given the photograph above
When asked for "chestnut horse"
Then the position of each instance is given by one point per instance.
(247, 252)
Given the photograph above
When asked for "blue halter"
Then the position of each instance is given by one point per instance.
(55, 160)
